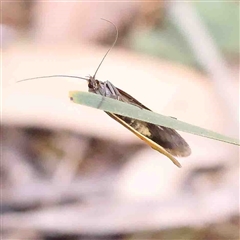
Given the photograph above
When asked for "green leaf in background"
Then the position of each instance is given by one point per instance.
(221, 19)
(128, 110)
(166, 43)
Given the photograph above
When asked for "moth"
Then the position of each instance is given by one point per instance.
(165, 140)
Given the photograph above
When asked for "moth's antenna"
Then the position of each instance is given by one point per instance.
(109, 48)
(68, 76)
(52, 76)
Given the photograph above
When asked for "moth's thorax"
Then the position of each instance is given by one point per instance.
(102, 88)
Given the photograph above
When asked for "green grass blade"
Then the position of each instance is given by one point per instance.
(128, 110)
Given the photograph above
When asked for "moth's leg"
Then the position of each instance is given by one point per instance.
(104, 94)
(113, 90)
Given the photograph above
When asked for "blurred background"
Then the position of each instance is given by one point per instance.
(71, 172)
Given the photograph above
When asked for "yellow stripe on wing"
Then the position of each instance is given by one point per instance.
(146, 140)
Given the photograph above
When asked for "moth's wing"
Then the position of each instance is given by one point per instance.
(125, 97)
(168, 138)
(151, 143)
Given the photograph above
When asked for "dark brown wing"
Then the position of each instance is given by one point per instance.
(129, 99)
(166, 137)
(147, 140)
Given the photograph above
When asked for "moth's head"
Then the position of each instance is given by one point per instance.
(93, 84)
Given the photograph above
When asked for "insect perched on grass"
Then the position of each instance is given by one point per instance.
(165, 140)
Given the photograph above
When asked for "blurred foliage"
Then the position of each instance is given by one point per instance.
(222, 20)
(166, 41)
